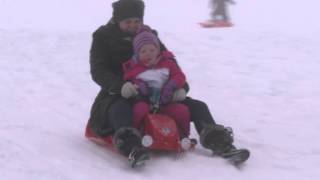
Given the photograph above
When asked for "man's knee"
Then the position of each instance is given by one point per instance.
(121, 105)
(120, 114)
(199, 103)
(194, 104)
(199, 113)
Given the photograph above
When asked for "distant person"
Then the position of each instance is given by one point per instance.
(220, 10)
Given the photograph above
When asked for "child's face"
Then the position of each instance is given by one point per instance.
(148, 54)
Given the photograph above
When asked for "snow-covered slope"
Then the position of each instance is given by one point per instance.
(259, 77)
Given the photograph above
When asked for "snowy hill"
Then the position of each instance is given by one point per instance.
(259, 77)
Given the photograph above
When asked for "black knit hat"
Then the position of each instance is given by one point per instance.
(123, 9)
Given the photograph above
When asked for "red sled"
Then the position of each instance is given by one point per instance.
(160, 132)
(216, 24)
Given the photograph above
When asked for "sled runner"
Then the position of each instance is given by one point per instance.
(215, 24)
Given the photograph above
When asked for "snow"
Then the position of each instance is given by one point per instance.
(259, 77)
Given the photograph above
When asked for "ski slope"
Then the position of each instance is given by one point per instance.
(260, 77)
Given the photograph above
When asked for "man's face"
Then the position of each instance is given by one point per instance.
(130, 25)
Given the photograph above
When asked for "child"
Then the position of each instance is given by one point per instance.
(219, 10)
(155, 76)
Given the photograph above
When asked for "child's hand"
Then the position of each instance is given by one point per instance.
(142, 88)
(167, 92)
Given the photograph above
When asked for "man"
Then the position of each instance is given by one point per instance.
(111, 113)
(220, 10)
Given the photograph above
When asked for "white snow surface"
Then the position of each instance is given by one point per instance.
(260, 77)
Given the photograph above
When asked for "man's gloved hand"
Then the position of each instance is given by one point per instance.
(179, 95)
(128, 90)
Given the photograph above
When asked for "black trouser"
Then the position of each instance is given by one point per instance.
(200, 114)
(120, 114)
(120, 118)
